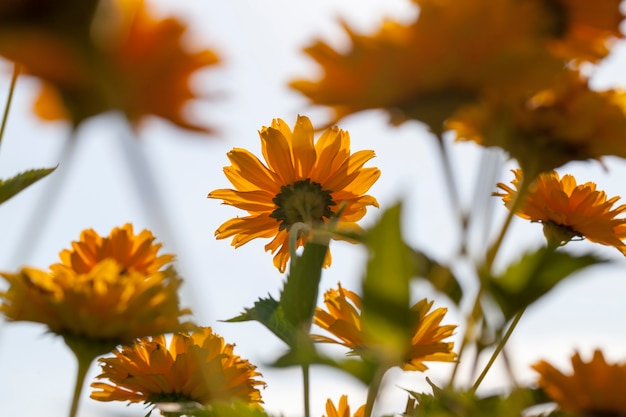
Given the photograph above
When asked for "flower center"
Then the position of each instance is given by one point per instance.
(303, 201)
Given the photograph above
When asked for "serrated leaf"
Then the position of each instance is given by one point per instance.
(268, 312)
(534, 275)
(12, 186)
(299, 296)
(387, 320)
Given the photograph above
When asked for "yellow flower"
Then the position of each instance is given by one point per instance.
(300, 182)
(585, 29)
(104, 296)
(124, 59)
(343, 410)
(568, 210)
(343, 320)
(594, 388)
(426, 69)
(565, 122)
(196, 367)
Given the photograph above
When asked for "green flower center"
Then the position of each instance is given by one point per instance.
(303, 201)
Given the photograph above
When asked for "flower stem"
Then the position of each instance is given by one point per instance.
(5, 116)
(498, 349)
(307, 388)
(83, 367)
(455, 200)
(372, 391)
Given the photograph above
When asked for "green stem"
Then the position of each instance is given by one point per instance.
(5, 116)
(372, 391)
(471, 323)
(498, 349)
(307, 388)
(83, 367)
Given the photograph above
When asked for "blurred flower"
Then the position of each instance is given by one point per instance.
(343, 320)
(594, 388)
(568, 210)
(128, 61)
(566, 122)
(101, 293)
(196, 367)
(302, 182)
(343, 410)
(584, 29)
(427, 69)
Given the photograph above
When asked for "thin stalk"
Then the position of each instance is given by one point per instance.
(455, 199)
(5, 116)
(372, 391)
(498, 349)
(307, 388)
(471, 322)
(83, 367)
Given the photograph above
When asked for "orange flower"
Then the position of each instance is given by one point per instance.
(594, 388)
(427, 69)
(563, 123)
(568, 210)
(343, 410)
(343, 320)
(303, 182)
(196, 367)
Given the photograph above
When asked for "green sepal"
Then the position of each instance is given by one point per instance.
(12, 186)
(386, 319)
(534, 275)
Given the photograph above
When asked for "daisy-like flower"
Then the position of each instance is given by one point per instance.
(195, 367)
(105, 291)
(343, 410)
(568, 210)
(594, 387)
(567, 121)
(427, 69)
(128, 60)
(343, 321)
(300, 182)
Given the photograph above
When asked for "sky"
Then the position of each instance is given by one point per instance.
(160, 181)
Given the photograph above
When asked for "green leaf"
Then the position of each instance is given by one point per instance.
(387, 320)
(268, 312)
(10, 187)
(299, 296)
(237, 409)
(534, 275)
(439, 276)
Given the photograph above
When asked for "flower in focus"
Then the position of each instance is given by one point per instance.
(584, 30)
(196, 367)
(594, 388)
(300, 182)
(544, 131)
(128, 61)
(568, 210)
(343, 410)
(343, 321)
(427, 69)
(106, 290)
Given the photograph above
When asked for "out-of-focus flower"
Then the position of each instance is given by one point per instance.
(128, 61)
(106, 291)
(568, 210)
(427, 69)
(594, 388)
(343, 321)
(343, 410)
(584, 30)
(196, 367)
(563, 123)
(300, 182)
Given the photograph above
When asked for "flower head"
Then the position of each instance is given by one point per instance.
(568, 210)
(343, 321)
(195, 367)
(107, 290)
(300, 182)
(427, 69)
(594, 387)
(544, 130)
(343, 410)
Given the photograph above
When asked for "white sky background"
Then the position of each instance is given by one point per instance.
(260, 44)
